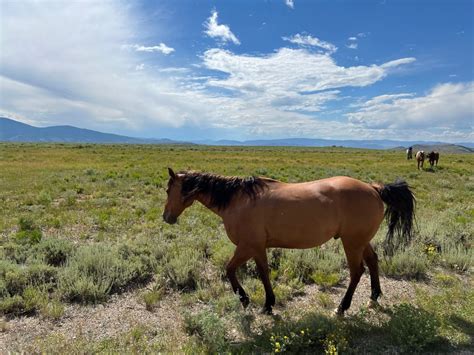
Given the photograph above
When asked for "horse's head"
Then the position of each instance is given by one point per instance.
(176, 203)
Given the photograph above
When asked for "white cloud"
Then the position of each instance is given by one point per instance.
(352, 46)
(279, 94)
(219, 31)
(384, 98)
(447, 107)
(308, 40)
(398, 62)
(289, 70)
(352, 39)
(163, 48)
(290, 4)
(60, 67)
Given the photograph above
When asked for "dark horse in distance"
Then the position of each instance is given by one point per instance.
(433, 158)
(260, 213)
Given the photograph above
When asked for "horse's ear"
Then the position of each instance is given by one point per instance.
(172, 174)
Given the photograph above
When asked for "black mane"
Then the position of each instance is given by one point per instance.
(221, 189)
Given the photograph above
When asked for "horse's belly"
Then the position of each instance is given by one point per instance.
(301, 226)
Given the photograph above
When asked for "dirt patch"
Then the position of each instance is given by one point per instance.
(124, 312)
(96, 322)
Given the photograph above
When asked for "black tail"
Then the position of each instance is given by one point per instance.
(400, 214)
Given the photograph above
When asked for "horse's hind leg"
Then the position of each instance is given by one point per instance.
(371, 259)
(263, 270)
(356, 268)
(241, 255)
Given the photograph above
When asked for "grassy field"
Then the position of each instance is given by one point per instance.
(81, 229)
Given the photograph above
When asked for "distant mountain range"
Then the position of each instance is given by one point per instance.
(365, 144)
(14, 131)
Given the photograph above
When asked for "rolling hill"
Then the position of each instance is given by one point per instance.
(14, 131)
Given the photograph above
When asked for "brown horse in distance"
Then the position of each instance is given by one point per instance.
(420, 159)
(260, 213)
(433, 158)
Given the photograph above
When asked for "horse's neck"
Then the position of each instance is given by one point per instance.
(205, 200)
(224, 213)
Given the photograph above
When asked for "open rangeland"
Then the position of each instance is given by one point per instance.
(88, 265)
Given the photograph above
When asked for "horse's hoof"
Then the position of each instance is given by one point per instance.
(266, 310)
(338, 312)
(245, 301)
(371, 304)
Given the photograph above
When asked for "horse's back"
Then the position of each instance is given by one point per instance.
(314, 212)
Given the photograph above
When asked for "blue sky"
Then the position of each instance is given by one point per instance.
(242, 69)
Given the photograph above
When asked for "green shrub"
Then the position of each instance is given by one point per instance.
(3, 288)
(53, 309)
(445, 280)
(324, 279)
(137, 340)
(96, 271)
(306, 264)
(28, 232)
(32, 237)
(54, 252)
(458, 258)
(44, 198)
(17, 252)
(31, 300)
(92, 274)
(70, 198)
(152, 297)
(210, 330)
(409, 264)
(413, 329)
(221, 252)
(313, 333)
(41, 275)
(184, 269)
(325, 300)
(142, 257)
(34, 298)
(25, 224)
(17, 278)
(14, 279)
(12, 305)
(453, 307)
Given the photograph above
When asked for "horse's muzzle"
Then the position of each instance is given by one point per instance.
(168, 218)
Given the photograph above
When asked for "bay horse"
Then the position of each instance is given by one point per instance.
(420, 159)
(433, 158)
(260, 213)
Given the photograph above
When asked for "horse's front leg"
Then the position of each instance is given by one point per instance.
(263, 270)
(241, 255)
